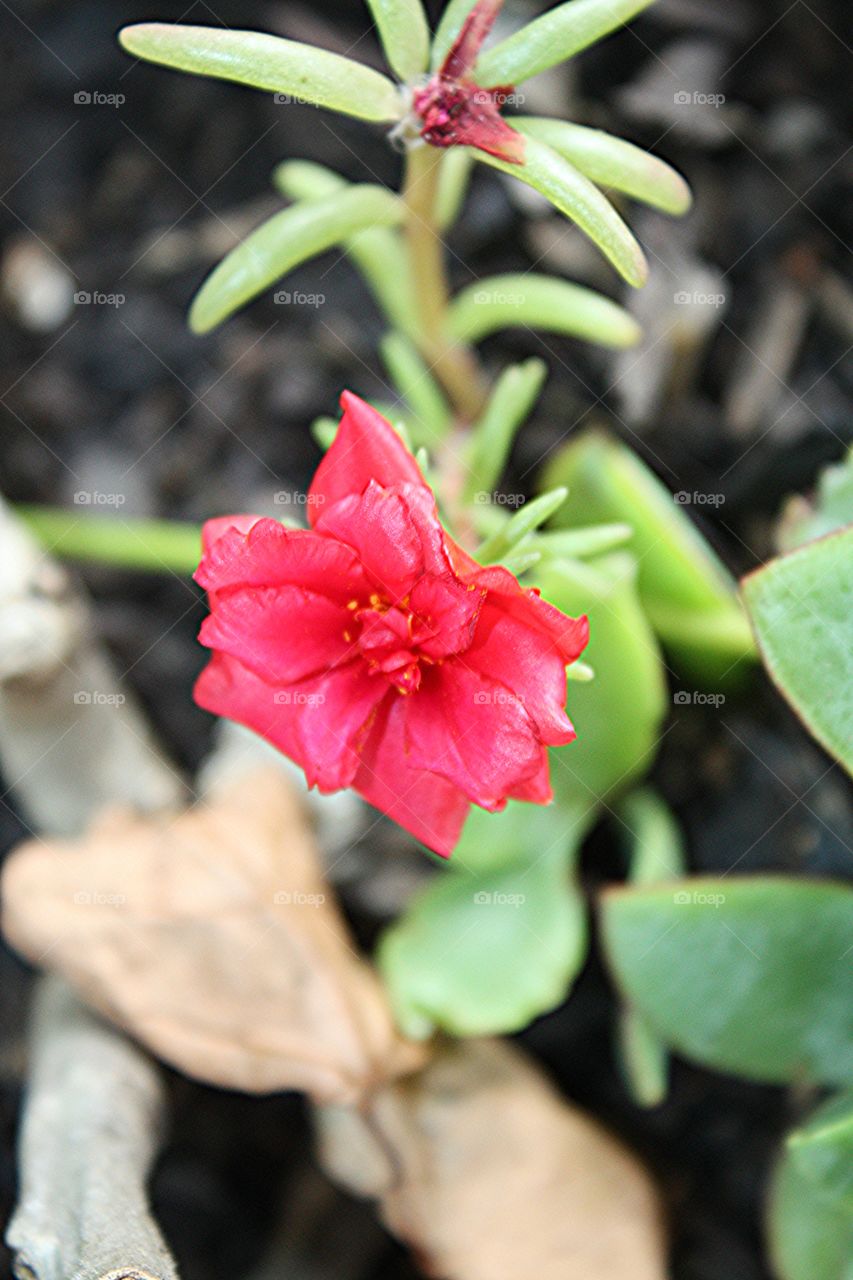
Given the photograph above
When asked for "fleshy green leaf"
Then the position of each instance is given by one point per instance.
(516, 529)
(801, 606)
(823, 1150)
(521, 833)
(429, 413)
(586, 541)
(810, 1232)
(508, 407)
(263, 61)
(485, 954)
(644, 1058)
(618, 716)
(611, 162)
(751, 976)
(404, 33)
(156, 546)
(453, 179)
(283, 242)
(685, 590)
(556, 35)
(452, 21)
(378, 252)
(579, 200)
(830, 509)
(540, 302)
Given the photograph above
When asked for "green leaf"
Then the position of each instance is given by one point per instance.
(516, 529)
(539, 302)
(751, 976)
(429, 413)
(156, 546)
(263, 61)
(685, 589)
(508, 407)
(452, 21)
(583, 542)
(558, 34)
(453, 179)
(611, 162)
(493, 842)
(579, 200)
(283, 242)
(485, 954)
(644, 1059)
(830, 509)
(801, 606)
(404, 33)
(618, 716)
(324, 429)
(823, 1150)
(378, 252)
(810, 1234)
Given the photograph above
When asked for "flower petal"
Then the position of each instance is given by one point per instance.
(463, 53)
(569, 635)
(472, 731)
(365, 448)
(269, 555)
(283, 634)
(213, 530)
(431, 808)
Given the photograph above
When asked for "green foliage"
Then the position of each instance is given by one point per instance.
(539, 302)
(404, 33)
(429, 412)
(823, 1150)
(801, 606)
(152, 545)
(830, 509)
(496, 548)
(686, 591)
(268, 62)
(283, 242)
(751, 976)
(510, 404)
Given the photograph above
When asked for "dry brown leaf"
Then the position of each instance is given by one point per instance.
(490, 1175)
(213, 938)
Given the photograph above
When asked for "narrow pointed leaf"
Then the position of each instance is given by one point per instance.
(531, 515)
(533, 301)
(801, 606)
(579, 200)
(751, 975)
(452, 22)
(156, 546)
(611, 162)
(586, 541)
(378, 252)
(556, 35)
(283, 242)
(644, 1059)
(509, 405)
(484, 954)
(429, 413)
(264, 61)
(404, 33)
(453, 179)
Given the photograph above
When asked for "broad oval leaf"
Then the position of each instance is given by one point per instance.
(685, 589)
(540, 302)
(404, 33)
(822, 1150)
(580, 200)
(556, 35)
(751, 976)
(264, 61)
(485, 954)
(801, 606)
(283, 242)
(611, 162)
(810, 1234)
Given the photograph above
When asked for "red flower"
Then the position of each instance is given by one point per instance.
(376, 653)
(456, 111)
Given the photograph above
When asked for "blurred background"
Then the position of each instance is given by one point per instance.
(122, 185)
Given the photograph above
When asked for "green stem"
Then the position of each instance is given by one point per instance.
(455, 365)
(153, 545)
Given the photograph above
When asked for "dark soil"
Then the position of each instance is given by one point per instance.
(123, 398)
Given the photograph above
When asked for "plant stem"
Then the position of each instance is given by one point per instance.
(455, 365)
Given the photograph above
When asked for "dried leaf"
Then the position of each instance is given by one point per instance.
(490, 1175)
(212, 937)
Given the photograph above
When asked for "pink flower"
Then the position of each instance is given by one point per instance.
(454, 110)
(376, 653)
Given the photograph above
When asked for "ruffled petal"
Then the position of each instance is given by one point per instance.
(213, 530)
(266, 554)
(472, 731)
(430, 807)
(569, 636)
(526, 662)
(283, 634)
(365, 448)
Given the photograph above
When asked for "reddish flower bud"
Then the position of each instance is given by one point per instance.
(376, 653)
